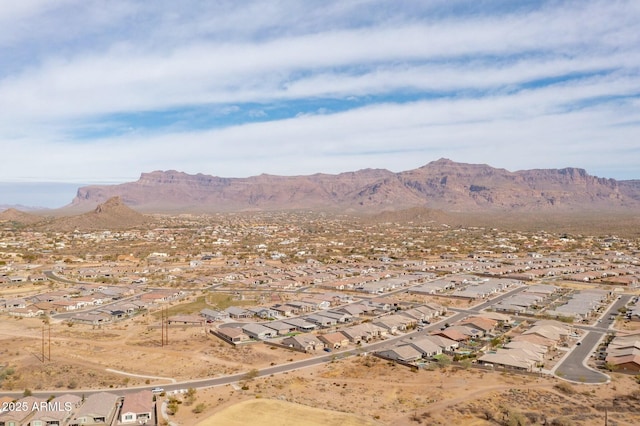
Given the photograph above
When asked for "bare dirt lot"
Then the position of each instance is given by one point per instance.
(84, 357)
(268, 412)
(388, 394)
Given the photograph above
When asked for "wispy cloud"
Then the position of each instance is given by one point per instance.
(91, 93)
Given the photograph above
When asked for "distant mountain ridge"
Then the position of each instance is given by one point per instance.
(443, 184)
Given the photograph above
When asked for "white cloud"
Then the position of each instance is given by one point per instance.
(551, 86)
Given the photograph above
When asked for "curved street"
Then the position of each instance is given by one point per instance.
(573, 366)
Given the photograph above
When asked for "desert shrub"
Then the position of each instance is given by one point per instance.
(488, 413)
(172, 407)
(565, 388)
(561, 421)
(516, 419)
(533, 417)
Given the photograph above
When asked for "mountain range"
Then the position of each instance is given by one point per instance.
(442, 185)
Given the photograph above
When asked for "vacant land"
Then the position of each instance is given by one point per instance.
(85, 357)
(384, 393)
(281, 413)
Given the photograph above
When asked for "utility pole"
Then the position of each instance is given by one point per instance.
(48, 358)
(167, 327)
(164, 326)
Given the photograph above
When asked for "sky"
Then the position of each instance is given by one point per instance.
(95, 92)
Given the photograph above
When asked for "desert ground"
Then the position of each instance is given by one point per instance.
(280, 413)
(378, 392)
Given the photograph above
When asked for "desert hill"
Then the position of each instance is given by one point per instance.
(112, 214)
(20, 217)
(441, 185)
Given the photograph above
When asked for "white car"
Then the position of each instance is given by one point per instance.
(157, 390)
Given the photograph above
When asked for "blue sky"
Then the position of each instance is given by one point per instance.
(99, 92)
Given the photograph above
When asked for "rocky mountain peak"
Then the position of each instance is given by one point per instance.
(112, 204)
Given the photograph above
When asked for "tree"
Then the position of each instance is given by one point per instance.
(443, 360)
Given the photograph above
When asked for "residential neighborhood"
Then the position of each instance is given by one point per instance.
(260, 293)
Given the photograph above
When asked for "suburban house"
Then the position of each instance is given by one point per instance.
(302, 307)
(425, 346)
(404, 353)
(419, 313)
(19, 417)
(624, 352)
(285, 310)
(447, 345)
(97, 409)
(237, 313)
(91, 318)
(300, 324)
(264, 312)
(304, 342)
(552, 331)
(281, 327)
(534, 351)
(259, 331)
(213, 315)
(137, 408)
(341, 317)
(394, 323)
(231, 334)
(433, 287)
(485, 325)
(57, 412)
(514, 359)
(335, 340)
(363, 332)
(355, 310)
(317, 303)
(452, 334)
(320, 320)
(15, 303)
(29, 312)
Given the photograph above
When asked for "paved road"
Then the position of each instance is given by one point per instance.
(574, 365)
